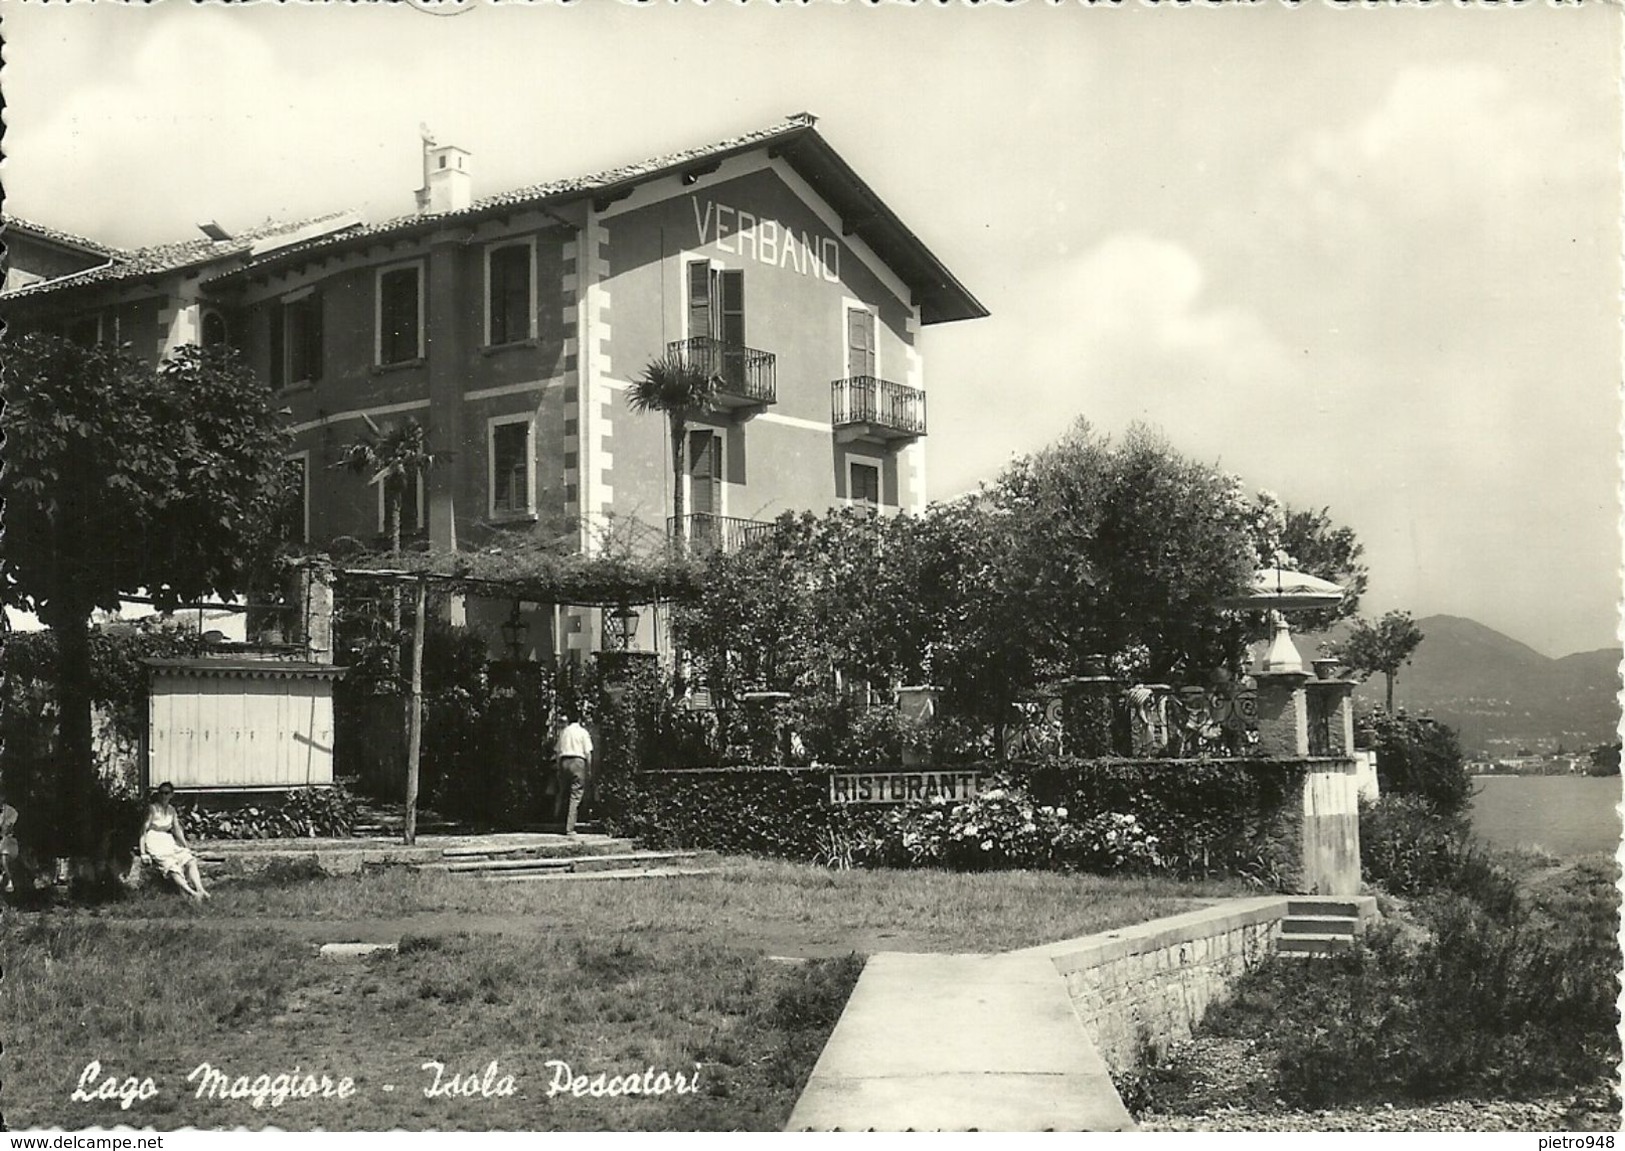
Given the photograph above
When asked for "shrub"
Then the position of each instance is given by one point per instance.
(1499, 996)
(1209, 817)
(1418, 758)
(1409, 846)
(305, 813)
(1004, 827)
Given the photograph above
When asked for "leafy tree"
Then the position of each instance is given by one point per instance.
(1384, 646)
(682, 389)
(122, 476)
(1419, 757)
(1605, 759)
(1313, 544)
(1130, 546)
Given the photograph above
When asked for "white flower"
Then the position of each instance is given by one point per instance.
(987, 845)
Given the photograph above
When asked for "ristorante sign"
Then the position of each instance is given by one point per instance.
(766, 240)
(900, 786)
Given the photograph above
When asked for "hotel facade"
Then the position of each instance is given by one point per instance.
(512, 326)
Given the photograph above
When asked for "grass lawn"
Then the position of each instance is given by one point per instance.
(782, 908)
(607, 977)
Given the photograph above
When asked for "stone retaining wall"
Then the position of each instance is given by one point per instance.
(1152, 983)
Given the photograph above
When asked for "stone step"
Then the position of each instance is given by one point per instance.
(1340, 925)
(1312, 944)
(620, 873)
(581, 863)
(1353, 907)
(557, 846)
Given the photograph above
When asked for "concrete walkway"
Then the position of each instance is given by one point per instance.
(959, 1043)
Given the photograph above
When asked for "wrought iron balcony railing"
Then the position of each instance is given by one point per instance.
(748, 376)
(706, 532)
(880, 409)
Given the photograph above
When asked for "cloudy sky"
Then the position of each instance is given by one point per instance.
(1366, 259)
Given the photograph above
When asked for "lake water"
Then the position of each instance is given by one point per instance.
(1565, 814)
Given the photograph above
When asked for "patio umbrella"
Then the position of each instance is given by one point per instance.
(1281, 590)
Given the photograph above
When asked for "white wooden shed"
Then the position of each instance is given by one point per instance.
(224, 724)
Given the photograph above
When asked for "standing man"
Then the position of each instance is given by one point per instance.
(573, 750)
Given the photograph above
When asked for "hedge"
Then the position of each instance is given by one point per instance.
(1210, 817)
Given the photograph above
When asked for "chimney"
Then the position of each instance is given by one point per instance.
(448, 185)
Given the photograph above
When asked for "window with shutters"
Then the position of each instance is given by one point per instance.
(216, 333)
(296, 340)
(861, 358)
(400, 314)
(512, 466)
(509, 316)
(863, 481)
(716, 309)
(412, 507)
(86, 331)
(705, 473)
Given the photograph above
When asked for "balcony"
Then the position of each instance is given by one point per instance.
(866, 408)
(707, 532)
(747, 376)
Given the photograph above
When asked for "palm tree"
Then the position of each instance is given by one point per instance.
(680, 388)
(396, 455)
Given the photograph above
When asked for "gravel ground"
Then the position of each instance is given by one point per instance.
(1217, 1088)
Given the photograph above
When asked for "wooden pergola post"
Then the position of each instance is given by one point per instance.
(414, 728)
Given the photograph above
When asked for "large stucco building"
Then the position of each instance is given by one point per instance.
(511, 325)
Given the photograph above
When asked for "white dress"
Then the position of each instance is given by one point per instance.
(158, 841)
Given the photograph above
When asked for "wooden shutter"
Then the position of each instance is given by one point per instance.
(398, 313)
(278, 377)
(313, 335)
(732, 329)
(705, 472)
(860, 342)
(699, 298)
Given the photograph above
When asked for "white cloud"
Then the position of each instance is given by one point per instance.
(1449, 141)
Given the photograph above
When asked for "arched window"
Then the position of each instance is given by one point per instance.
(215, 332)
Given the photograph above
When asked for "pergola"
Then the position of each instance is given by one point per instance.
(533, 573)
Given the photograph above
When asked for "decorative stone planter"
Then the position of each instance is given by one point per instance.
(1329, 667)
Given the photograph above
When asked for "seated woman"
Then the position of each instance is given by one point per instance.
(163, 842)
(8, 843)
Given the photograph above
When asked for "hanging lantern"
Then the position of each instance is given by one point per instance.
(514, 633)
(620, 628)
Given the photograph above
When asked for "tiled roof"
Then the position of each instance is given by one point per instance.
(137, 263)
(58, 236)
(557, 189)
(940, 296)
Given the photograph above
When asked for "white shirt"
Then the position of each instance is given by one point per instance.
(574, 741)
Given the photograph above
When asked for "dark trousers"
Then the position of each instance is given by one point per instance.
(572, 782)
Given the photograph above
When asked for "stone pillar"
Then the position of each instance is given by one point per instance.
(1334, 707)
(918, 707)
(1283, 714)
(309, 593)
(1087, 715)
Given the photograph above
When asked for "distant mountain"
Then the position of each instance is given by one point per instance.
(1501, 695)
